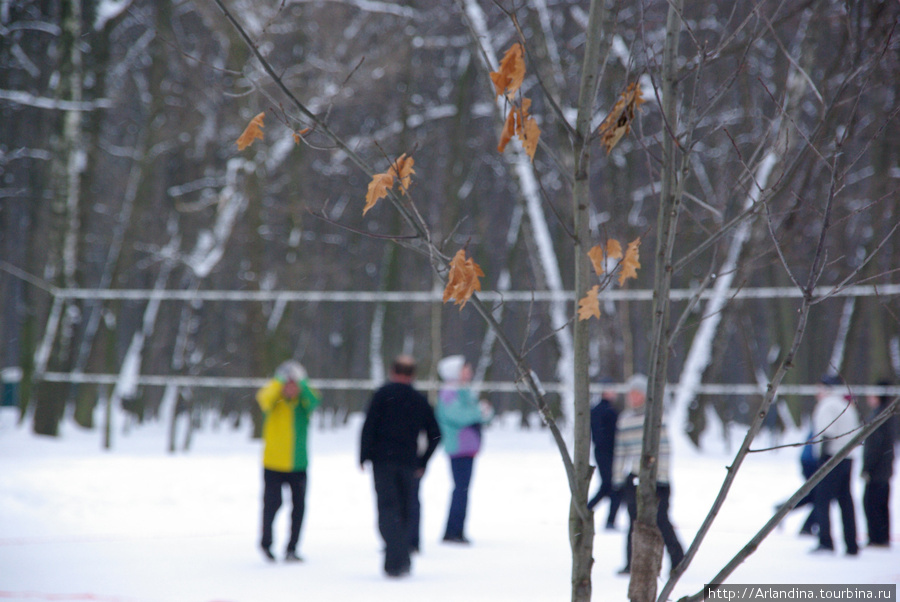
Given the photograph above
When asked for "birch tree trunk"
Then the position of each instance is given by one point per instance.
(68, 170)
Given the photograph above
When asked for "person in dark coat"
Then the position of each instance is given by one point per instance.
(397, 414)
(603, 432)
(877, 470)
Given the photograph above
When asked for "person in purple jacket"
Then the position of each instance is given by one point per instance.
(459, 416)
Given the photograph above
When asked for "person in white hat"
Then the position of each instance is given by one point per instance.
(460, 417)
(626, 467)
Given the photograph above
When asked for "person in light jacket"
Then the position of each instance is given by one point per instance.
(287, 401)
(460, 417)
(835, 421)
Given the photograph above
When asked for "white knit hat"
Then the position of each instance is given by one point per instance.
(450, 368)
(290, 370)
(638, 382)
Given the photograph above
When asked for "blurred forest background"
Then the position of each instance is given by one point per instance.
(120, 172)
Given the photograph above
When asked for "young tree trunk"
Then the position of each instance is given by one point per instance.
(647, 541)
(581, 521)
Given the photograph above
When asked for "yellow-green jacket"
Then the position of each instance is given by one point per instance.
(285, 426)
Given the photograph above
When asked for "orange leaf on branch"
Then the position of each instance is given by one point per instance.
(618, 123)
(520, 123)
(599, 258)
(463, 280)
(378, 189)
(589, 305)
(401, 169)
(630, 263)
(509, 77)
(253, 131)
(299, 134)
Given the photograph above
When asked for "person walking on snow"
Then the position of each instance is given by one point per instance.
(396, 416)
(626, 468)
(877, 470)
(834, 422)
(604, 416)
(460, 418)
(287, 401)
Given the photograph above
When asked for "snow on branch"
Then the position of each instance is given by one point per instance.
(55, 104)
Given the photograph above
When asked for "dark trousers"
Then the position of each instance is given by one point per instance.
(670, 538)
(394, 490)
(606, 490)
(274, 481)
(415, 516)
(459, 501)
(836, 487)
(878, 516)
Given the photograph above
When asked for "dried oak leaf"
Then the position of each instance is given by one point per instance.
(253, 131)
(529, 135)
(600, 258)
(618, 123)
(520, 123)
(378, 189)
(589, 305)
(402, 169)
(630, 263)
(509, 77)
(463, 280)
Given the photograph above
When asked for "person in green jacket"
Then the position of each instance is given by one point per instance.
(459, 416)
(287, 401)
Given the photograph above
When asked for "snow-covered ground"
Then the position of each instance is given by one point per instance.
(140, 525)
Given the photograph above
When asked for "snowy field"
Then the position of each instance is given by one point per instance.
(141, 525)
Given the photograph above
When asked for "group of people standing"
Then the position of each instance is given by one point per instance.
(402, 430)
(835, 420)
(400, 434)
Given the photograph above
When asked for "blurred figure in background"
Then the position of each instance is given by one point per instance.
(287, 401)
(397, 414)
(877, 470)
(834, 422)
(604, 416)
(627, 466)
(460, 417)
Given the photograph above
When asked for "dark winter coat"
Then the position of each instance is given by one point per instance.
(397, 414)
(603, 431)
(878, 451)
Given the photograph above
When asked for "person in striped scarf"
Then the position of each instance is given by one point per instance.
(627, 464)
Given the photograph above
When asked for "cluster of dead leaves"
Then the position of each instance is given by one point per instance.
(254, 132)
(607, 260)
(463, 280)
(618, 123)
(400, 170)
(507, 81)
